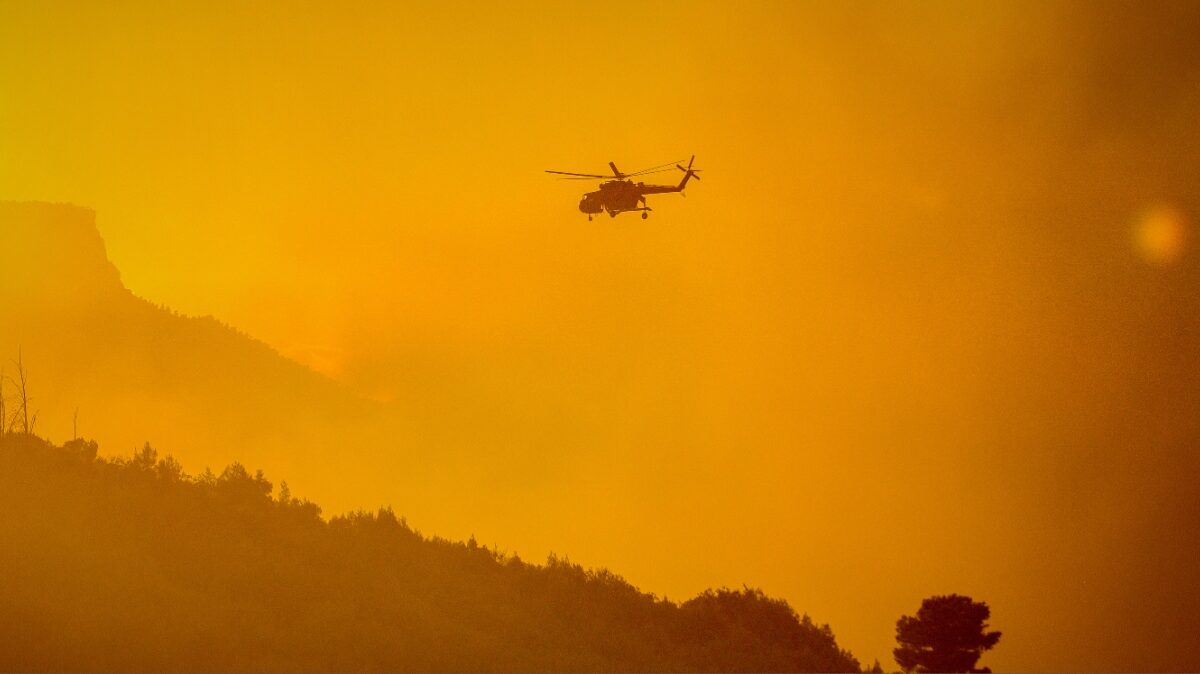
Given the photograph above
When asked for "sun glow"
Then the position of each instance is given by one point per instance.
(1161, 234)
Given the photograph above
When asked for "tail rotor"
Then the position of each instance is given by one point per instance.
(689, 172)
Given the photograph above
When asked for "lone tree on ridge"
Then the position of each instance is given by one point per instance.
(949, 634)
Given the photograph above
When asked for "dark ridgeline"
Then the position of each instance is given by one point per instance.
(133, 565)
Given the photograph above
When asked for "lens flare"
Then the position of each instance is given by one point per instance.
(1160, 235)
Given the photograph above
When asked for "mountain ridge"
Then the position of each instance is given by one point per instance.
(201, 387)
(77, 225)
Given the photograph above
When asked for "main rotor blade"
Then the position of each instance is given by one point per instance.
(648, 172)
(654, 168)
(591, 177)
(583, 175)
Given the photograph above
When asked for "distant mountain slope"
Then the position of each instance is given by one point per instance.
(194, 385)
(129, 565)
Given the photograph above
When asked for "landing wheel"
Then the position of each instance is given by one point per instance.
(612, 214)
(589, 218)
(645, 215)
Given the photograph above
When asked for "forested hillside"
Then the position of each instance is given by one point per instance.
(130, 564)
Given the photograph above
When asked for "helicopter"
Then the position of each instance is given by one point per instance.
(621, 194)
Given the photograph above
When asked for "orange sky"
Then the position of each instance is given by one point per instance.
(925, 326)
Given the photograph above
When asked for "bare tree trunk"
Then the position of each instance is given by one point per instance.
(3, 412)
(23, 391)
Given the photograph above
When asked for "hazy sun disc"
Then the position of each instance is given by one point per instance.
(1160, 235)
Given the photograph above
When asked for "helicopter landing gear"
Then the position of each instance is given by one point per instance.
(612, 214)
(589, 218)
(645, 215)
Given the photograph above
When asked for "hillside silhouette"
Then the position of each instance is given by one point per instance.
(130, 564)
(195, 384)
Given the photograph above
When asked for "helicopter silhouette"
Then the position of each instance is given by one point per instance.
(621, 195)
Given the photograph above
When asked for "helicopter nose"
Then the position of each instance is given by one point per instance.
(589, 205)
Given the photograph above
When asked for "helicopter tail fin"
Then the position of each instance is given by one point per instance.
(687, 173)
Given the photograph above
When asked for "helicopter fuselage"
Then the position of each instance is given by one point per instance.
(620, 196)
(613, 196)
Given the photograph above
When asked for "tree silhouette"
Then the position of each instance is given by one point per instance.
(947, 635)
